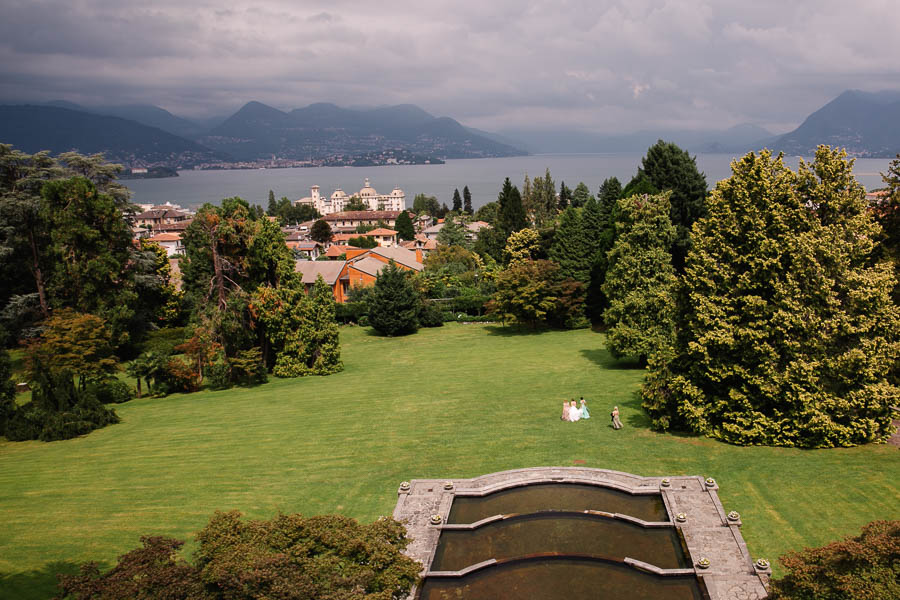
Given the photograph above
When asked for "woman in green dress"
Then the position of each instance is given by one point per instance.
(584, 410)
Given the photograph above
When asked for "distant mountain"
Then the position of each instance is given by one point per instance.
(257, 131)
(146, 114)
(866, 124)
(33, 128)
(740, 138)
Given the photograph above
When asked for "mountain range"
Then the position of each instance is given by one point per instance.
(145, 135)
(867, 124)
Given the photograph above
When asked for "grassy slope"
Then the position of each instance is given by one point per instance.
(458, 401)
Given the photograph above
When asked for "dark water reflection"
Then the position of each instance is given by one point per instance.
(561, 579)
(562, 533)
(556, 496)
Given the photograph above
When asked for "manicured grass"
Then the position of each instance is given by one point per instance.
(458, 401)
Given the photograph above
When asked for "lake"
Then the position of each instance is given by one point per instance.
(483, 176)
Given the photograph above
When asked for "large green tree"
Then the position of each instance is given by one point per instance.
(786, 331)
(395, 303)
(426, 205)
(887, 213)
(571, 248)
(640, 281)
(580, 195)
(534, 292)
(404, 226)
(453, 233)
(669, 168)
(542, 204)
(320, 232)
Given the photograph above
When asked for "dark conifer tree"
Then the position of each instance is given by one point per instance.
(467, 200)
(394, 305)
(512, 213)
(404, 226)
(565, 196)
(457, 201)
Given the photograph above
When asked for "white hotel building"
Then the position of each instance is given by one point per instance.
(396, 200)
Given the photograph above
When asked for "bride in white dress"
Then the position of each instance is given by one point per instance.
(574, 412)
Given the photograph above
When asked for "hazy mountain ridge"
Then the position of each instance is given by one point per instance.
(258, 131)
(33, 128)
(866, 124)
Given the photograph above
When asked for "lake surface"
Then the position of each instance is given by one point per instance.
(483, 176)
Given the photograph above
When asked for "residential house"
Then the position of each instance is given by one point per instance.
(420, 243)
(385, 237)
(171, 242)
(310, 250)
(363, 265)
(160, 215)
(472, 230)
(336, 250)
(330, 270)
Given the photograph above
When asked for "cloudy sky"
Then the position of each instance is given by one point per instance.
(601, 65)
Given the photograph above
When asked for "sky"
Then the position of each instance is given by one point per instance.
(595, 65)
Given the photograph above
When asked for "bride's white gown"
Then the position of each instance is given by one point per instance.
(574, 414)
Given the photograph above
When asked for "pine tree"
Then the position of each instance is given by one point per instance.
(580, 195)
(273, 205)
(394, 305)
(609, 194)
(467, 200)
(668, 167)
(565, 196)
(570, 249)
(640, 281)
(512, 213)
(786, 329)
(457, 201)
(542, 206)
(404, 226)
(598, 242)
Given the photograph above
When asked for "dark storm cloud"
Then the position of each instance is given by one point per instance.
(604, 66)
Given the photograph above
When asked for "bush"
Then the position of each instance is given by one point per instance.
(247, 367)
(111, 391)
(350, 312)
(430, 315)
(364, 321)
(857, 568)
(218, 374)
(163, 341)
(180, 376)
(329, 557)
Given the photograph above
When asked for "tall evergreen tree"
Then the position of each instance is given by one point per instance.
(668, 167)
(609, 194)
(512, 213)
(467, 200)
(565, 196)
(394, 304)
(580, 195)
(404, 226)
(457, 201)
(542, 206)
(323, 348)
(570, 249)
(786, 328)
(272, 209)
(640, 281)
(639, 185)
(598, 242)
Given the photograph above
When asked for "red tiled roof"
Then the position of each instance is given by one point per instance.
(166, 237)
(381, 231)
(336, 250)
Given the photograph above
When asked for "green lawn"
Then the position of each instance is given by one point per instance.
(457, 401)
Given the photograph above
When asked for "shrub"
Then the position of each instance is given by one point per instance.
(180, 375)
(110, 391)
(163, 341)
(247, 367)
(866, 567)
(218, 374)
(430, 315)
